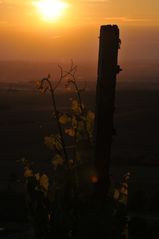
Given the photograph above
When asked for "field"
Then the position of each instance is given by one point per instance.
(26, 119)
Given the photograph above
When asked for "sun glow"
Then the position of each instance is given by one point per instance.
(50, 10)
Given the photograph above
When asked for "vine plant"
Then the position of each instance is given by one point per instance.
(44, 194)
(78, 124)
(54, 200)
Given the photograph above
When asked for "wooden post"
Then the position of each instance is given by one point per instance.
(108, 68)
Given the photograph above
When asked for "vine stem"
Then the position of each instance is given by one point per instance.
(80, 101)
(56, 115)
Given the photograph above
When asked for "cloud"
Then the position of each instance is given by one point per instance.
(126, 19)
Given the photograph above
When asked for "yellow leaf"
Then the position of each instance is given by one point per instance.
(64, 119)
(74, 122)
(90, 123)
(53, 141)
(37, 176)
(116, 194)
(49, 141)
(44, 182)
(38, 84)
(75, 106)
(57, 160)
(70, 132)
(90, 116)
(43, 90)
(28, 172)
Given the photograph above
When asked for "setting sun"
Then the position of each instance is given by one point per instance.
(50, 10)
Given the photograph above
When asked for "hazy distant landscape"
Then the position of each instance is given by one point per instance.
(137, 71)
(25, 114)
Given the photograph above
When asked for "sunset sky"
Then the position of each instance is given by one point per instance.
(27, 35)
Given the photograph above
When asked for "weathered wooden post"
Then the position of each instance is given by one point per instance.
(108, 68)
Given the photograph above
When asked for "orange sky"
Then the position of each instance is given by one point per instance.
(26, 36)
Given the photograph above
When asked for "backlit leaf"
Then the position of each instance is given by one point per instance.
(44, 182)
(64, 119)
(53, 142)
(57, 161)
(70, 132)
(75, 106)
